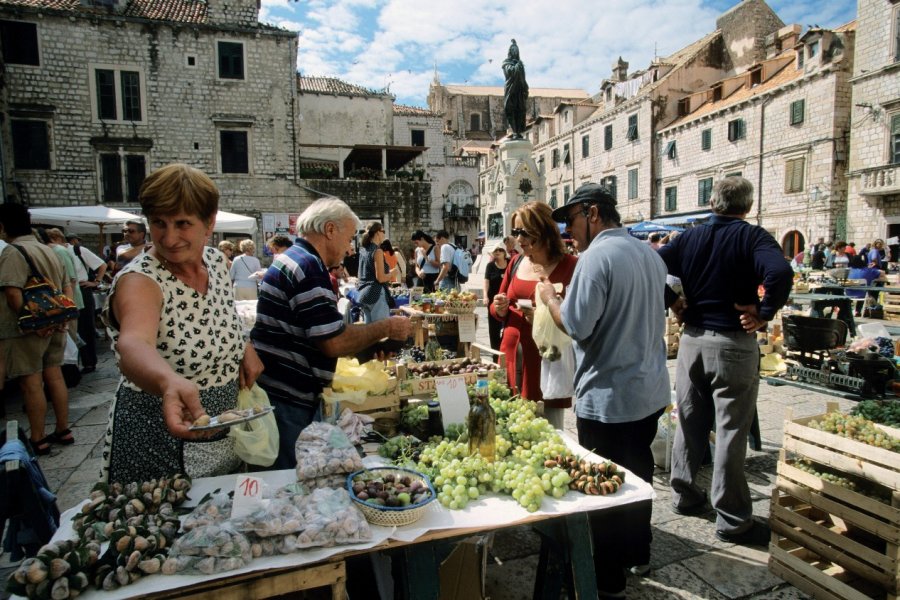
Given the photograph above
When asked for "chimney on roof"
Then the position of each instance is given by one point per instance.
(233, 12)
(620, 70)
(781, 40)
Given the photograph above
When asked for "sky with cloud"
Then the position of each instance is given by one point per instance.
(396, 44)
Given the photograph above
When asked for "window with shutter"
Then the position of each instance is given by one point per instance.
(736, 130)
(797, 111)
(19, 43)
(895, 140)
(231, 60)
(704, 191)
(671, 152)
(566, 194)
(553, 198)
(632, 184)
(31, 144)
(566, 158)
(632, 128)
(234, 151)
(897, 33)
(793, 175)
(608, 137)
(706, 139)
(554, 158)
(610, 182)
(671, 198)
(111, 177)
(585, 146)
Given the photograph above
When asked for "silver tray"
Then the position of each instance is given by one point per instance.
(214, 421)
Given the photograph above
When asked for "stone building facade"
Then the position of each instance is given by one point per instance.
(96, 94)
(783, 124)
(874, 172)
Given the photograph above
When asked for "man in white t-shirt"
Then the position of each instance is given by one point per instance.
(446, 279)
(89, 270)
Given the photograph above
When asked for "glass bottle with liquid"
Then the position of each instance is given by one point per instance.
(482, 422)
(435, 420)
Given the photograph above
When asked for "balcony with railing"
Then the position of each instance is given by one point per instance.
(879, 181)
(461, 161)
(460, 213)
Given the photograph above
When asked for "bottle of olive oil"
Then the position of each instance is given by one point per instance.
(482, 422)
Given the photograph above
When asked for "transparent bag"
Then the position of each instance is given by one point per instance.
(550, 339)
(558, 377)
(256, 441)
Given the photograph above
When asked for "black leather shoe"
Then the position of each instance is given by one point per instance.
(758, 534)
(693, 510)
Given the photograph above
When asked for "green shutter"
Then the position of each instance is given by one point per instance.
(706, 139)
(797, 111)
(632, 184)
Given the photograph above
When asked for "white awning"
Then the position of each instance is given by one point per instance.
(233, 223)
(682, 219)
(80, 219)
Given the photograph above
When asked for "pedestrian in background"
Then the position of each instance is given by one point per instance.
(373, 275)
(244, 270)
(90, 270)
(614, 311)
(493, 277)
(721, 265)
(227, 248)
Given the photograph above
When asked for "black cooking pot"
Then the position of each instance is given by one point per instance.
(809, 334)
(875, 369)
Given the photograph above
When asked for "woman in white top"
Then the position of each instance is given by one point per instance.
(243, 271)
(840, 259)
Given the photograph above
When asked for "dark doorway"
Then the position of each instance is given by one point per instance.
(793, 244)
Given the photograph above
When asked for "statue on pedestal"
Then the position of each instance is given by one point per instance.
(515, 92)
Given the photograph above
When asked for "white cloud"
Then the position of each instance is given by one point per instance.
(564, 43)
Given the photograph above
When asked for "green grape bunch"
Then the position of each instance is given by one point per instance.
(856, 428)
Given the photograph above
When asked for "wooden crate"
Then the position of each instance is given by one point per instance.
(386, 405)
(418, 386)
(845, 536)
(815, 551)
(849, 456)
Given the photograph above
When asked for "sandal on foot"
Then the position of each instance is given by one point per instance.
(41, 447)
(63, 438)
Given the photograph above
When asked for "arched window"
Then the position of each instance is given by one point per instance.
(460, 193)
(792, 243)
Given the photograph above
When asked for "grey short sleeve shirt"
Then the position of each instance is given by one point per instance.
(614, 310)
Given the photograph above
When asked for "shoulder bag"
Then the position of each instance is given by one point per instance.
(44, 307)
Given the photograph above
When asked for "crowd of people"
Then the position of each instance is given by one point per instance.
(183, 352)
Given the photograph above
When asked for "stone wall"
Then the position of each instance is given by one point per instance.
(184, 105)
(402, 205)
(744, 30)
(876, 100)
(345, 120)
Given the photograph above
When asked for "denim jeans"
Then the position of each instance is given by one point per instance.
(376, 312)
(291, 420)
(716, 383)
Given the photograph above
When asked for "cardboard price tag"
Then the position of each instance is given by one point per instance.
(466, 324)
(247, 496)
(453, 398)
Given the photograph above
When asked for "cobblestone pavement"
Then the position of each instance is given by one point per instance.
(687, 561)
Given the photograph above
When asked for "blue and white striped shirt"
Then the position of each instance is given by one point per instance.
(296, 308)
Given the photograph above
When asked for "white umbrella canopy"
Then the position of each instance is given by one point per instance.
(80, 219)
(227, 222)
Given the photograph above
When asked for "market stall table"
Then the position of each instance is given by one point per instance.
(420, 321)
(819, 302)
(563, 522)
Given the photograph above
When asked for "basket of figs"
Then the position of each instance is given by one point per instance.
(390, 496)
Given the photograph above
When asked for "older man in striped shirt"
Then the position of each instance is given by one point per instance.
(299, 332)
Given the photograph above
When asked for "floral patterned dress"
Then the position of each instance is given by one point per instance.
(200, 337)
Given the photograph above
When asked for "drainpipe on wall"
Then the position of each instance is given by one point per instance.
(759, 181)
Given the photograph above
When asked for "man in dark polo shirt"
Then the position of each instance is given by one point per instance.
(299, 333)
(721, 265)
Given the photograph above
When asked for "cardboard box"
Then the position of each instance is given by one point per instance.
(462, 573)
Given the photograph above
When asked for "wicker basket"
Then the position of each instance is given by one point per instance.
(391, 516)
(460, 307)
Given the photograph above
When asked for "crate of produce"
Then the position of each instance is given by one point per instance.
(819, 553)
(419, 378)
(877, 464)
(376, 406)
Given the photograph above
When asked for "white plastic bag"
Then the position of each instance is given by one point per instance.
(70, 355)
(551, 341)
(256, 441)
(558, 376)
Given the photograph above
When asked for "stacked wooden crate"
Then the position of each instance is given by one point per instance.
(891, 305)
(425, 386)
(386, 405)
(827, 540)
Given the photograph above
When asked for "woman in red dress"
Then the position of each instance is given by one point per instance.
(543, 256)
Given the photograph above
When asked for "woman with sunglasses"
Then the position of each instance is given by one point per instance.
(543, 256)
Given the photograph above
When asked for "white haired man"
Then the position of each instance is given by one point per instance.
(299, 333)
(717, 377)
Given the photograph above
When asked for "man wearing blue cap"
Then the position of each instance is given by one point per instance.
(614, 310)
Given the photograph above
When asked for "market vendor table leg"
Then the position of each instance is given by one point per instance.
(566, 558)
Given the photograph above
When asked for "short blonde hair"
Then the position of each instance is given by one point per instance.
(246, 245)
(178, 188)
(56, 235)
(226, 245)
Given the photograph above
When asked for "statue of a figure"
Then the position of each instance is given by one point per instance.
(515, 92)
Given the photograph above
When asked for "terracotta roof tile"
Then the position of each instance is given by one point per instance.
(179, 11)
(402, 110)
(333, 85)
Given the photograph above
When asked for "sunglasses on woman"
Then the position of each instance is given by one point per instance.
(518, 232)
